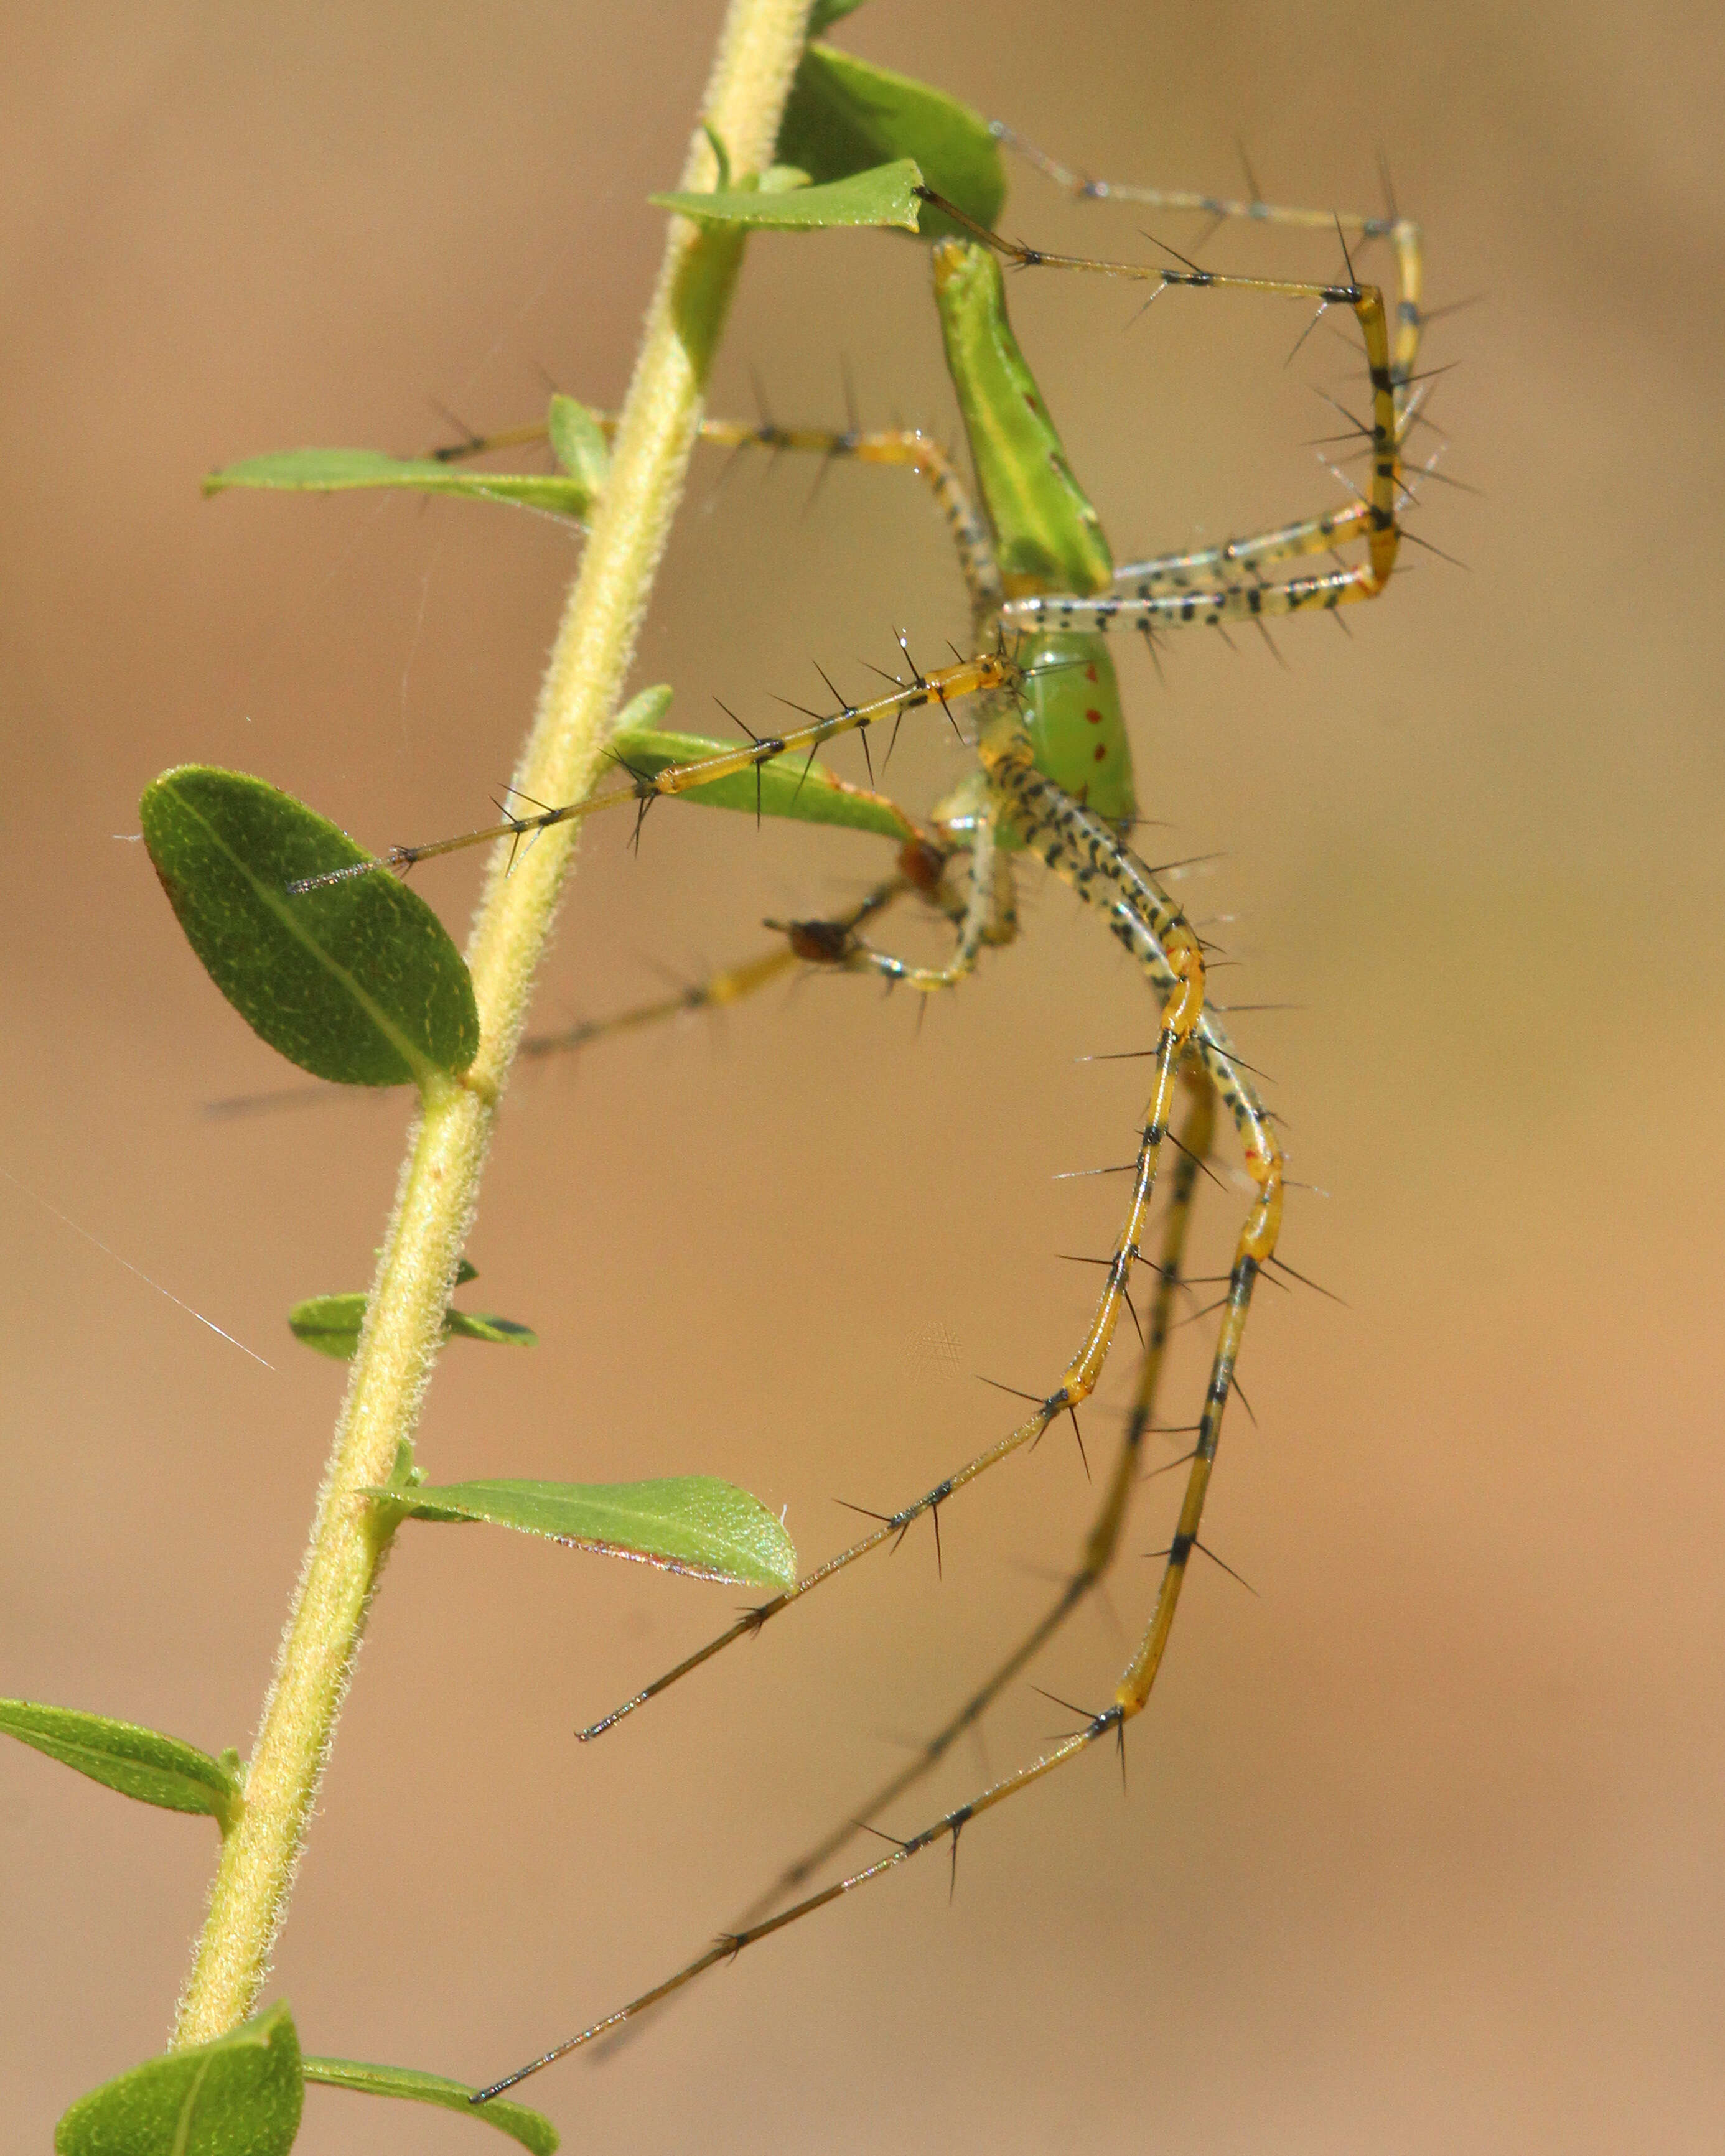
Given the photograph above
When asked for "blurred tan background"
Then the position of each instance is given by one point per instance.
(1422, 1846)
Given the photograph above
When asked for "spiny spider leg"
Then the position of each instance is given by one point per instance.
(1102, 1541)
(989, 916)
(908, 447)
(1086, 854)
(731, 984)
(941, 685)
(1229, 599)
(1181, 1013)
(1402, 233)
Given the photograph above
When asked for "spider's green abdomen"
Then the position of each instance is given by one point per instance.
(1071, 706)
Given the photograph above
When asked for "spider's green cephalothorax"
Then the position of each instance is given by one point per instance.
(1047, 536)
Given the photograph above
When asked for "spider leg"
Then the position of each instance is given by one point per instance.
(1402, 233)
(1102, 1542)
(908, 448)
(726, 985)
(989, 915)
(1181, 1013)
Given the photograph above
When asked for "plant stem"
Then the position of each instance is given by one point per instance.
(758, 49)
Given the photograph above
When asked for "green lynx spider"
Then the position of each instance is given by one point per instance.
(1052, 776)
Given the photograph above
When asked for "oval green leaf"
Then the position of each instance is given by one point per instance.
(789, 785)
(567, 494)
(692, 1523)
(845, 116)
(886, 195)
(138, 1763)
(329, 1324)
(240, 2096)
(531, 2128)
(356, 981)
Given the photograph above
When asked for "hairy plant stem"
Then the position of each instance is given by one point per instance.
(758, 49)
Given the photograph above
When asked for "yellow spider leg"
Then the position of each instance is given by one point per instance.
(730, 984)
(989, 917)
(1366, 303)
(1402, 233)
(1243, 600)
(908, 447)
(1085, 853)
(1103, 1540)
(1202, 565)
(941, 685)
(1182, 1012)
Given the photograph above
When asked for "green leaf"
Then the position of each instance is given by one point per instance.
(356, 981)
(691, 1523)
(330, 1323)
(482, 1325)
(886, 195)
(138, 1763)
(531, 2128)
(567, 494)
(578, 442)
(814, 796)
(845, 116)
(830, 11)
(240, 2096)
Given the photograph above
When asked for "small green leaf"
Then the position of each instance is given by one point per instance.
(531, 2128)
(578, 442)
(138, 1763)
(465, 1272)
(330, 1323)
(885, 195)
(691, 1523)
(845, 116)
(830, 11)
(568, 494)
(357, 982)
(789, 785)
(240, 2096)
(484, 1325)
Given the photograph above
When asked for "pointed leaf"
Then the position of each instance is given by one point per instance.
(330, 1323)
(829, 11)
(531, 2128)
(356, 981)
(138, 1763)
(485, 1325)
(567, 494)
(578, 442)
(885, 195)
(240, 2096)
(845, 116)
(465, 1272)
(789, 785)
(692, 1523)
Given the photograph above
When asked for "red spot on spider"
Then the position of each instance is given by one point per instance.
(1029, 400)
(1090, 671)
(1101, 751)
(1095, 717)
